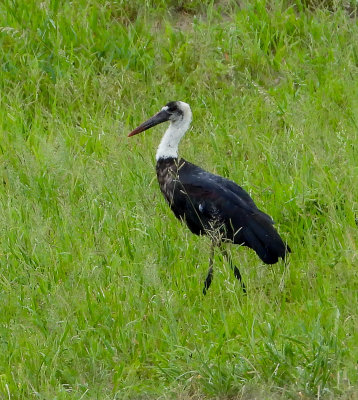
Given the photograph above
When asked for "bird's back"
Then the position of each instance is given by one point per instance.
(213, 205)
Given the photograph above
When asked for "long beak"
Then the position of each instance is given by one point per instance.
(158, 118)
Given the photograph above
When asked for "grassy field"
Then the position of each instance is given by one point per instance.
(100, 285)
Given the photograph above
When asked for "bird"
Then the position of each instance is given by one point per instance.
(209, 204)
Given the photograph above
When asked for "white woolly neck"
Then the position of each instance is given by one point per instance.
(168, 147)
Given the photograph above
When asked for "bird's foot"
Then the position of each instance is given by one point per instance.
(208, 280)
(239, 278)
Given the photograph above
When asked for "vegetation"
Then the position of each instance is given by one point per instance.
(100, 285)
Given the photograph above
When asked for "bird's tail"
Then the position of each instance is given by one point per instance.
(260, 235)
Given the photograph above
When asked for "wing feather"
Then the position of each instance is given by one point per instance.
(205, 198)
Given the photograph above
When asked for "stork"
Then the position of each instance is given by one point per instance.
(209, 204)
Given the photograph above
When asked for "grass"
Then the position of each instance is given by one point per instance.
(100, 285)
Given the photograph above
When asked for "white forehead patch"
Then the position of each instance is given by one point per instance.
(165, 108)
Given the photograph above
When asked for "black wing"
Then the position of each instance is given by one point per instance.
(207, 201)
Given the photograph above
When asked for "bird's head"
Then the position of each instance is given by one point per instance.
(177, 112)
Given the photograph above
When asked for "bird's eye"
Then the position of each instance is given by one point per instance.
(168, 110)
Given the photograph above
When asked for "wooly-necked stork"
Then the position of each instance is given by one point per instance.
(209, 204)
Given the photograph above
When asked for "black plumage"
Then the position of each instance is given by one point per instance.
(210, 204)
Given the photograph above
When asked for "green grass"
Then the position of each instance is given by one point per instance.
(100, 285)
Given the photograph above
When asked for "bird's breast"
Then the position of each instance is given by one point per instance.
(167, 174)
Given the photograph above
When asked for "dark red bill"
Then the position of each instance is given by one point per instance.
(158, 118)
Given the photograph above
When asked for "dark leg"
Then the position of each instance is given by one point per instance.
(209, 276)
(238, 276)
(235, 269)
(208, 280)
